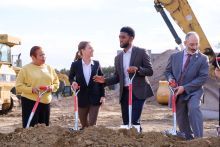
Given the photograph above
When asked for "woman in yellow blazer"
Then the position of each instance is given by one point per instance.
(30, 78)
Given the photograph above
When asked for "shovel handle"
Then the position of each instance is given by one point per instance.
(173, 84)
(131, 79)
(75, 103)
(130, 94)
(130, 89)
(173, 103)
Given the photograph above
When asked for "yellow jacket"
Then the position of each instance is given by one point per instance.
(32, 76)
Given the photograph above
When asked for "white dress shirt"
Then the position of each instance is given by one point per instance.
(126, 64)
(87, 69)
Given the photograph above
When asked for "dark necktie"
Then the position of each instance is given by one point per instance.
(184, 69)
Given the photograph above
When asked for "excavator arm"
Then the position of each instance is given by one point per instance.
(183, 15)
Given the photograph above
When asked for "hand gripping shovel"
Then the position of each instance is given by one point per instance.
(130, 125)
(75, 99)
(42, 91)
(173, 131)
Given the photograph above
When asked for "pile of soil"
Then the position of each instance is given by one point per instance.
(41, 135)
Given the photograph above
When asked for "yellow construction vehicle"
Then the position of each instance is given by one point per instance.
(183, 15)
(64, 78)
(7, 74)
(64, 87)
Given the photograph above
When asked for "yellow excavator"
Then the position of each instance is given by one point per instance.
(7, 73)
(64, 87)
(64, 78)
(183, 15)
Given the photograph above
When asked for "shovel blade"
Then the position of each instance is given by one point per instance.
(137, 127)
(218, 131)
(73, 129)
(173, 132)
(170, 132)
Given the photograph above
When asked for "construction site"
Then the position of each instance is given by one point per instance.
(156, 117)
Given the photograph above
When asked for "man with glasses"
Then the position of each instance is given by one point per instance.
(189, 69)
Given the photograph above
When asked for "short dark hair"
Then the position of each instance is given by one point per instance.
(128, 30)
(33, 51)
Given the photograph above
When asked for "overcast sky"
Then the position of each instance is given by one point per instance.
(59, 25)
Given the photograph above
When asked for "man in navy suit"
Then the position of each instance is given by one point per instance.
(189, 69)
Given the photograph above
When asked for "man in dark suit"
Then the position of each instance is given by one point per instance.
(132, 59)
(189, 69)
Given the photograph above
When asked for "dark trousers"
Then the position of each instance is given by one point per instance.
(137, 106)
(88, 115)
(42, 113)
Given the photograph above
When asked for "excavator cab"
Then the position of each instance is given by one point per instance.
(7, 74)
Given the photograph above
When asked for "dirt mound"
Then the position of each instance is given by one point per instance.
(41, 135)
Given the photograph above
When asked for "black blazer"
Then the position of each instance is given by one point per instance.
(89, 94)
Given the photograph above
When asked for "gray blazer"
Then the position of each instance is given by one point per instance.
(141, 85)
(195, 76)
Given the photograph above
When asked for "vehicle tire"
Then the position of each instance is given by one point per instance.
(7, 107)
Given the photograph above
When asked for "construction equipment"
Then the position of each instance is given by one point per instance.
(183, 15)
(64, 78)
(130, 125)
(64, 85)
(7, 74)
(42, 91)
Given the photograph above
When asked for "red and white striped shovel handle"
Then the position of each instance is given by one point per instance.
(130, 101)
(75, 98)
(44, 89)
(130, 89)
(171, 85)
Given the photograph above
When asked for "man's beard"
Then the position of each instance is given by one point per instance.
(192, 50)
(124, 45)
